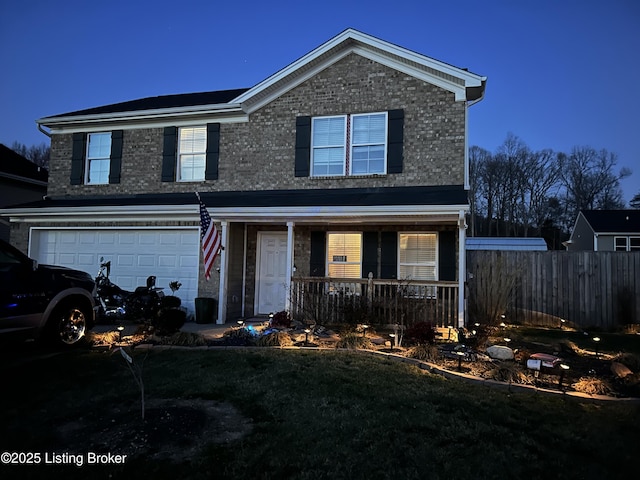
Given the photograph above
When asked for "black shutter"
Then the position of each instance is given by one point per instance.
(395, 140)
(317, 260)
(303, 147)
(77, 158)
(370, 254)
(213, 151)
(447, 256)
(169, 154)
(388, 255)
(115, 164)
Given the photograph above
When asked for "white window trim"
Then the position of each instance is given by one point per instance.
(179, 155)
(343, 145)
(384, 145)
(436, 261)
(627, 240)
(347, 145)
(88, 159)
(326, 255)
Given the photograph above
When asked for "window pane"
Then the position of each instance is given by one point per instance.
(621, 244)
(634, 243)
(193, 140)
(328, 131)
(192, 167)
(328, 161)
(99, 145)
(344, 255)
(369, 128)
(417, 259)
(98, 171)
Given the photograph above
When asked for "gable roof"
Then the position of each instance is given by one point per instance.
(465, 85)
(14, 165)
(613, 221)
(163, 102)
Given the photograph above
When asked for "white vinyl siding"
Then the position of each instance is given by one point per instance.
(98, 158)
(344, 255)
(192, 153)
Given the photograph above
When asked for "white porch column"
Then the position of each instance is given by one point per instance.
(290, 248)
(462, 267)
(224, 274)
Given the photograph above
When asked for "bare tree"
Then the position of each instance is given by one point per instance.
(635, 201)
(590, 180)
(38, 154)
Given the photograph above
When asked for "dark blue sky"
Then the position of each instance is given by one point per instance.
(561, 73)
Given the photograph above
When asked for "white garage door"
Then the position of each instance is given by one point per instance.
(169, 254)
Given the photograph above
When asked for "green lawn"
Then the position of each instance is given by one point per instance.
(315, 415)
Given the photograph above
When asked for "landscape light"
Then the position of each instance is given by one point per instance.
(364, 330)
(393, 338)
(597, 340)
(306, 335)
(120, 329)
(563, 368)
(460, 355)
(240, 323)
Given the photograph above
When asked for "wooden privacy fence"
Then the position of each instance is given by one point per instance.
(344, 300)
(587, 289)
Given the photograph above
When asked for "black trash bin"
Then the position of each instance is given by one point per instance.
(206, 309)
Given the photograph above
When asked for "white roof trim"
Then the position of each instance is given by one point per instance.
(375, 49)
(159, 213)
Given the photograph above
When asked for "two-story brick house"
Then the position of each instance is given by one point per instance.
(351, 160)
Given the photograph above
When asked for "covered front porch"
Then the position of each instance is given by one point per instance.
(280, 258)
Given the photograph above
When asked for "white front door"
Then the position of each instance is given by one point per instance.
(271, 272)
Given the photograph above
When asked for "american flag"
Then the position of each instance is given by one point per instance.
(210, 239)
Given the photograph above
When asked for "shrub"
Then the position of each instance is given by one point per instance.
(421, 333)
(507, 372)
(170, 321)
(427, 353)
(354, 340)
(593, 386)
(238, 336)
(185, 339)
(281, 320)
(274, 339)
(170, 301)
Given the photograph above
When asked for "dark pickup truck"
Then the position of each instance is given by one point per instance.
(43, 302)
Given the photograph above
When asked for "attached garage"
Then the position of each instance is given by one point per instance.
(135, 253)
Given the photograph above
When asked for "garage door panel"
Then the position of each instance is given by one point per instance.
(169, 254)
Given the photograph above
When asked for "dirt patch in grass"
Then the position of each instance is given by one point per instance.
(173, 429)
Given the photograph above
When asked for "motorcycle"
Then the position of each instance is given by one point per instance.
(115, 303)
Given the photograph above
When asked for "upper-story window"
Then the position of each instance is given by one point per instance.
(192, 153)
(349, 145)
(98, 158)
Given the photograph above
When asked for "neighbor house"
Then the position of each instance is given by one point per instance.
(20, 181)
(345, 169)
(606, 230)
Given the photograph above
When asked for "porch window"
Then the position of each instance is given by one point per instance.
(344, 255)
(349, 145)
(192, 153)
(417, 256)
(98, 158)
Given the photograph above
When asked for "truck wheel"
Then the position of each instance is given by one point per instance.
(67, 325)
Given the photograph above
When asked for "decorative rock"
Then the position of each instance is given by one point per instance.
(377, 340)
(620, 370)
(499, 352)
